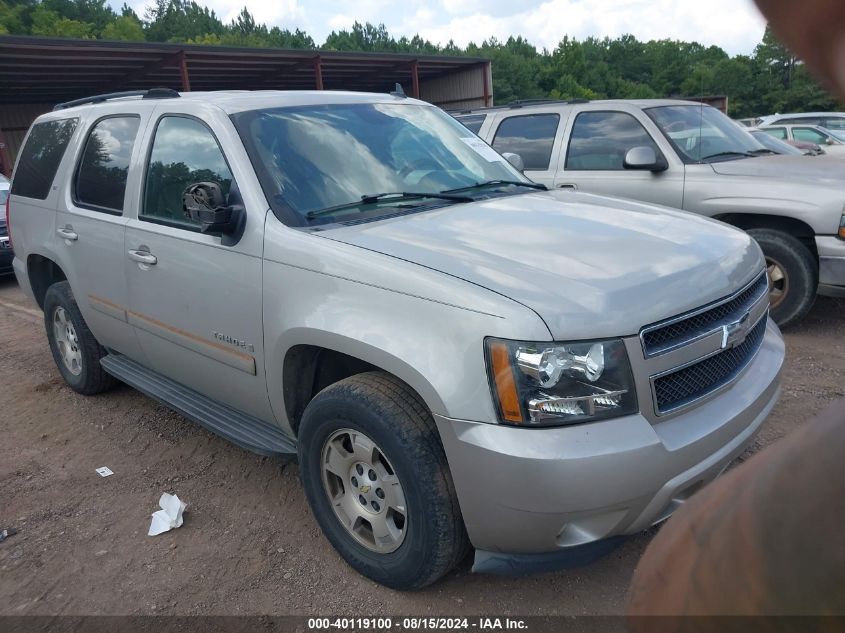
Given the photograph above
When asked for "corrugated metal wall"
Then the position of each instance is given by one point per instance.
(15, 120)
(460, 91)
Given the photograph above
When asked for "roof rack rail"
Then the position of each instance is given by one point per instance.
(152, 93)
(519, 103)
(528, 102)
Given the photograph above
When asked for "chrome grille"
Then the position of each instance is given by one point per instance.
(660, 338)
(695, 381)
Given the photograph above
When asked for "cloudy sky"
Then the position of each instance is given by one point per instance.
(735, 25)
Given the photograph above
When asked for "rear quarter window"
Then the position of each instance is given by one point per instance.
(40, 157)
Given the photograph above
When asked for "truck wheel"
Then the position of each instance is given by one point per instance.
(377, 480)
(75, 350)
(793, 275)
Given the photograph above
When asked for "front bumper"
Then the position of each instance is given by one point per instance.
(544, 490)
(831, 266)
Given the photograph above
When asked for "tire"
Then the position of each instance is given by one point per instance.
(800, 279)
(378, 407)
(84, 374)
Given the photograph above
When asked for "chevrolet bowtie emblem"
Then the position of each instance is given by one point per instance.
(364, 489)
(735, 333)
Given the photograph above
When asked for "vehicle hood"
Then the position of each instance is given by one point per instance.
(803, 169)
(589, 266)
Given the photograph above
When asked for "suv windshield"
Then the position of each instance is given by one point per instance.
(320, 162)
(703, 134)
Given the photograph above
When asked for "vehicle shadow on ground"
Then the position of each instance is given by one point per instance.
(826, 313)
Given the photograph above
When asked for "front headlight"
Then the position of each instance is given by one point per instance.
(549, 384)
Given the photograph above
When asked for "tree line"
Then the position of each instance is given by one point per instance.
(769, 80)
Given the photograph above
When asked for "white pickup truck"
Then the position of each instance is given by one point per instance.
(692, 157)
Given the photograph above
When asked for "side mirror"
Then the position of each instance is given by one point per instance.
(515, 160)
(204, 202)
(828, 141)
(644, 158)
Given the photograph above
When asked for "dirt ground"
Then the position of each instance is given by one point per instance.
(249, 544)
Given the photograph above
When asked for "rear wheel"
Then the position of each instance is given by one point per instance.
(793, 275)
(377, 480)
(75, 351)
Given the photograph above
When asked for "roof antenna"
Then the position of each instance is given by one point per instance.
(398, 92)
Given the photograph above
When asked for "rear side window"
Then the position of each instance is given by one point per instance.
(184, 152)
(103, 168)
(600, 140)
(531, 136)
(40, 157)
(807, 120)
(472, 122)
(777, 132)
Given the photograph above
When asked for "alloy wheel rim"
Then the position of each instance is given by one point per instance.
(364, 491)
(67, 341)
(778, 282)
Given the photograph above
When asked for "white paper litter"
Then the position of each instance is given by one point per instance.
(104, 471)
(170, 515)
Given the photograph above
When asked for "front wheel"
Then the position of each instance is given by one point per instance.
(377, 480)
(793, 275)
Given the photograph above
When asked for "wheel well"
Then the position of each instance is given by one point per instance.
(42, 273)
(791, 226)
(308, 369)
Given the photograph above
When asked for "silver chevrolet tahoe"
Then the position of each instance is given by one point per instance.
(689, 156)
(458, 357)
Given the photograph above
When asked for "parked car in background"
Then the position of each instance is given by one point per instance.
(456, 355)
(829, 120)
(788, 148)
(6, 253)
(748, 122)
(691, 156)
(831, 141)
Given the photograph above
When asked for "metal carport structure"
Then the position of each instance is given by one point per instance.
(36, 73)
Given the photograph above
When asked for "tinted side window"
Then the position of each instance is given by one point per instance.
(102, 171)
(184, 152)
(834, 123)
(472, 122)
(40, 158)
(600, 140)
(807, 120)
(808, 135)
(777, 132)
(531, 136)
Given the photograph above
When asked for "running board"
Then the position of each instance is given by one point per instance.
(239, 428)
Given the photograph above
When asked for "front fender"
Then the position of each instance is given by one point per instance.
(820, 207)
(423, 326)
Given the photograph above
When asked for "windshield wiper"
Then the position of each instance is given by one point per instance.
(720, 154)
(763, 150)
(392, 196)
(491, 183)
